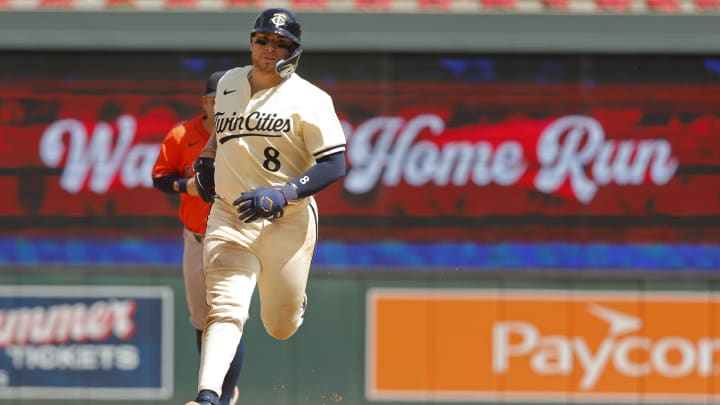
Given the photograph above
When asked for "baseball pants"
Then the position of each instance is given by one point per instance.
(274, 255)
(194, 279)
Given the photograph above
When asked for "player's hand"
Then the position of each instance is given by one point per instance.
(190, 187)
(205, 178)
(268, 202)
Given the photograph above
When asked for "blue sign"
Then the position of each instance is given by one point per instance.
(89, 342)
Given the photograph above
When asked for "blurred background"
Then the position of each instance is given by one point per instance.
(531, 213)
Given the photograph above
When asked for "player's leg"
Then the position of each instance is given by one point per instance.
(288, 247)
(229, 386)
(230, 278)
(194, 279)
(196, 298)
(229, 295)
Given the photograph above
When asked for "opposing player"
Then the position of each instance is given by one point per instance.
(173, 173)
(278, 142)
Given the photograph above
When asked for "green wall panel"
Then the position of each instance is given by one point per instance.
(324, 363)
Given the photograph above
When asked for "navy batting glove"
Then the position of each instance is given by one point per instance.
(268, 202)
(205, 178)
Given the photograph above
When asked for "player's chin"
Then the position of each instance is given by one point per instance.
(271, 61)
(265, 66)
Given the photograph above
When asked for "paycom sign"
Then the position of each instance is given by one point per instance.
(569, 346)
(86, 342)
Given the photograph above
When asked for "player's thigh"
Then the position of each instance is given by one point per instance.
(230, 286)
(286, 257)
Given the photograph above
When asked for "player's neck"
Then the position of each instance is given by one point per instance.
(262, 80)
(207, 123)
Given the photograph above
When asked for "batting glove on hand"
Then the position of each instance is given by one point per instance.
(268, 202)
(205, 178)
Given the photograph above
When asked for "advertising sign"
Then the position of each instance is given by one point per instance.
(540, 170)
(443, 151)
(86, 342)
(573, 346)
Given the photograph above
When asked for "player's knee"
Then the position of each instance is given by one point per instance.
(282, 330)
(282, 326)
(281, 333)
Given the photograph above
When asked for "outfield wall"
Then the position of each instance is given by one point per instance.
(501, 339)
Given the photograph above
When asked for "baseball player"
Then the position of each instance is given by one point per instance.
(173, 174)
(278, 141)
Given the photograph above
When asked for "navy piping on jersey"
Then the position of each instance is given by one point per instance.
(317, 231)
(329, 149)
(229, 137)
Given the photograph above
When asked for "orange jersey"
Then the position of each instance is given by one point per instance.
(178, 152)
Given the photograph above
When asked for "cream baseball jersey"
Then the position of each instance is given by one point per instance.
(273, 136)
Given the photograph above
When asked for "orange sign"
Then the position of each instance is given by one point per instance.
(543, 345)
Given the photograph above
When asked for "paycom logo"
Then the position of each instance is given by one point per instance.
(560, 345)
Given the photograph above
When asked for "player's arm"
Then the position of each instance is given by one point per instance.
(210, 147)
(270, 202)
(165, 174)
(171, 184)
(204, 167)
(326, 171)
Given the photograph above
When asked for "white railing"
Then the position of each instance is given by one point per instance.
(400, 6)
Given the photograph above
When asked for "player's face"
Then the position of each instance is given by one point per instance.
(267, 49)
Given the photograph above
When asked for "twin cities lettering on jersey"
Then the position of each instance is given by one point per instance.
(255, 121)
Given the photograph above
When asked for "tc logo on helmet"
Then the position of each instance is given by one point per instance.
(278, 19)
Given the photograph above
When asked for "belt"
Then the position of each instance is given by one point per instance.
(198, 237)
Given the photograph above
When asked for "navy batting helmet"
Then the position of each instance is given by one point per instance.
(279, 21)
(285, 23)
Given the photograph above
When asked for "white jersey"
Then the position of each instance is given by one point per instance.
(270, 138)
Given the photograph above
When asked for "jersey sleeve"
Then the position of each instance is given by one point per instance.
(170, 157)
(322, 130)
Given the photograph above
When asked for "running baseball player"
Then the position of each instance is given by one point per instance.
(173, 174)
(278, 141)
